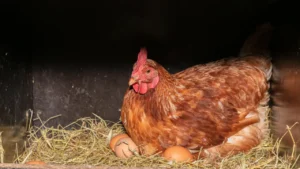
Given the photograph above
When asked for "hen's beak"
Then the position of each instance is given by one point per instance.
(132, 81)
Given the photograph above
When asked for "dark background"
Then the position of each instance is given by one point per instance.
(74, 57)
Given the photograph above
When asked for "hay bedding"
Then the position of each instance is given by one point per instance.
(86, 141)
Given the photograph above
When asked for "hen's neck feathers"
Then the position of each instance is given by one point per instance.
(164, 95)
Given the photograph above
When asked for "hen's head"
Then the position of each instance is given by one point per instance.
(144, 75)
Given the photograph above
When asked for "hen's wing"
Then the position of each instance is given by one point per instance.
(251, 135)
(224, 95)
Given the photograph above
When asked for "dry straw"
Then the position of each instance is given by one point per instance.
(85, 141)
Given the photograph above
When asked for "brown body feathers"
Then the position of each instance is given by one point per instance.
(219, 107)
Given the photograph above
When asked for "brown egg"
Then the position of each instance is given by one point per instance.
(115, 139)
(178, 154)
(36, 162)
(125, 148)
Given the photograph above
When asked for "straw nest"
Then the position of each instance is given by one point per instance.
(86, 141)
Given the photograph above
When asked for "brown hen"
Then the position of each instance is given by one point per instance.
(219, 107)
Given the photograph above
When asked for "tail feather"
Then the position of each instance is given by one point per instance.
(258, 43)
(256, 49)
(257, 52)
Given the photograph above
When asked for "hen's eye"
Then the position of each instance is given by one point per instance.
(148, 71)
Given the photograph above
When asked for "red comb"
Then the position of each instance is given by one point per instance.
(142, 58)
